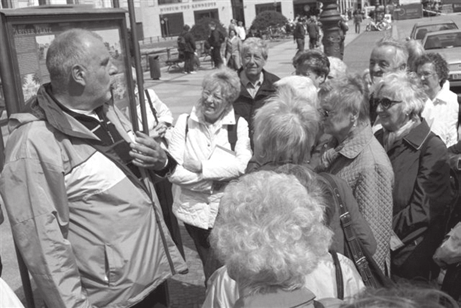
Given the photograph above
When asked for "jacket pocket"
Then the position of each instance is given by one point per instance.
(114, 264)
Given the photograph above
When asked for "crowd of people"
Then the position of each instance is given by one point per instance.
(272, 178)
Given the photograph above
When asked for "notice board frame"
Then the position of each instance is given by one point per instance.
(19, 28)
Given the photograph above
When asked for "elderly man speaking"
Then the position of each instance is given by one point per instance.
(84, 222)
(257, 84)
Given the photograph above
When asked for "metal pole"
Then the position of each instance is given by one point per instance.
(330, 18)
(139, 75)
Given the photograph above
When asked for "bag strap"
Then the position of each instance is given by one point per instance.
(231, 132)
(154, 112)
(351, 240)
(339, 275)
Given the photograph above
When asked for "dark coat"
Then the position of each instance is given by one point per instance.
(190, 42)
(421, 194)
(313, 29)
(216, 38)
(299, 32)
(246, 106)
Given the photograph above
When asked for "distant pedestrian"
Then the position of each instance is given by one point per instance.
(343, 28)
(188, 48)
(241, 31)
(314, 32)
(232, 53)
(215, 41)
(357, 21)
(299, 35)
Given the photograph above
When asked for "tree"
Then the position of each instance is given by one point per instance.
(268, 18)
(201, 29)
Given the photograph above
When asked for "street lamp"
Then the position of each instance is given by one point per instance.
(330, 18)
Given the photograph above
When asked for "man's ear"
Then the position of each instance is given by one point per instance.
(79, 74)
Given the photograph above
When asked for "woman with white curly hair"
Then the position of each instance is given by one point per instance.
(271, 236)
(211, 146)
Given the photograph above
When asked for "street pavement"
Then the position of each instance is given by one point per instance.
(180, 92)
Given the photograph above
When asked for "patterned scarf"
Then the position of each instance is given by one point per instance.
(389, 138)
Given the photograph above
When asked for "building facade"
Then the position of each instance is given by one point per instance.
(162, 18)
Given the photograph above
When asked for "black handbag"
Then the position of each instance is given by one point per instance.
(367, 267)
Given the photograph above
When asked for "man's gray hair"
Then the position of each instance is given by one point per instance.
(400, 57)
(66, 50)
(255, 42)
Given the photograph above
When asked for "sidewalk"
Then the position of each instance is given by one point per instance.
(180, 92)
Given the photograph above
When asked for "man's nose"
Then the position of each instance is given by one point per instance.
(379, 108)
(375, 68)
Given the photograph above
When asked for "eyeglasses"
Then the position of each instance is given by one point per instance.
(206, 95)
(425, 75)
(385, 102)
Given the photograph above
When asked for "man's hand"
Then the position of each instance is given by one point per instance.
(159, 130)
(147, 153)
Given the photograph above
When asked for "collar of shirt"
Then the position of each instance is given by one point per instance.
(252, 88)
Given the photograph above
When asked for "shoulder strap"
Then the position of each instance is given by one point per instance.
(339, 275)
(232, 133)
(151, 105)
(355, 249)
(187, 128)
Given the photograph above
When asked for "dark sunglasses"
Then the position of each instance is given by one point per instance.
(384, 102)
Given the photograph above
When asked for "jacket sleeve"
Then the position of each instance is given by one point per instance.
(33, 189)
(453, 114)
(431, 193)
(227, 169)
(359, 224)
(182, 176)
(373, 192)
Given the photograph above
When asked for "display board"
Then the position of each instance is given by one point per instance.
(29, 33)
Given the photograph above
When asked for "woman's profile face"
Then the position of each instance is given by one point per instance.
(335, 122)
(213, 103)
(390, 111)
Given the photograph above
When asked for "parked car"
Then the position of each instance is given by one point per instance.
(448, 44)
(421, 28)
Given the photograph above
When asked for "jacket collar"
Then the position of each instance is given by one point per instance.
(266, 88)
(418, 135)
(46, 107)
(357, 142)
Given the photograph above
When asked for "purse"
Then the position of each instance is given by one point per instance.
(367, 267)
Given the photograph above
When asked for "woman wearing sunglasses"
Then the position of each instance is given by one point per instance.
(354, 155)
(422, 184)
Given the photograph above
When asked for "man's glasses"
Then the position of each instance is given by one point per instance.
(385, 102)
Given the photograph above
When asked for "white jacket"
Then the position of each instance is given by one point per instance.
(197, 203)
(441, 115)
(223, 291)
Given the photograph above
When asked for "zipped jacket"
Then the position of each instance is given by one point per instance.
(90, 235)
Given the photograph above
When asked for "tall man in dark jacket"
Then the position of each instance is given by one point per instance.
(215, 40)
(256, 83)
(314, 32)
(189, 50)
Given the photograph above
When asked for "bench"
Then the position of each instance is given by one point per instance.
(174, 61)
